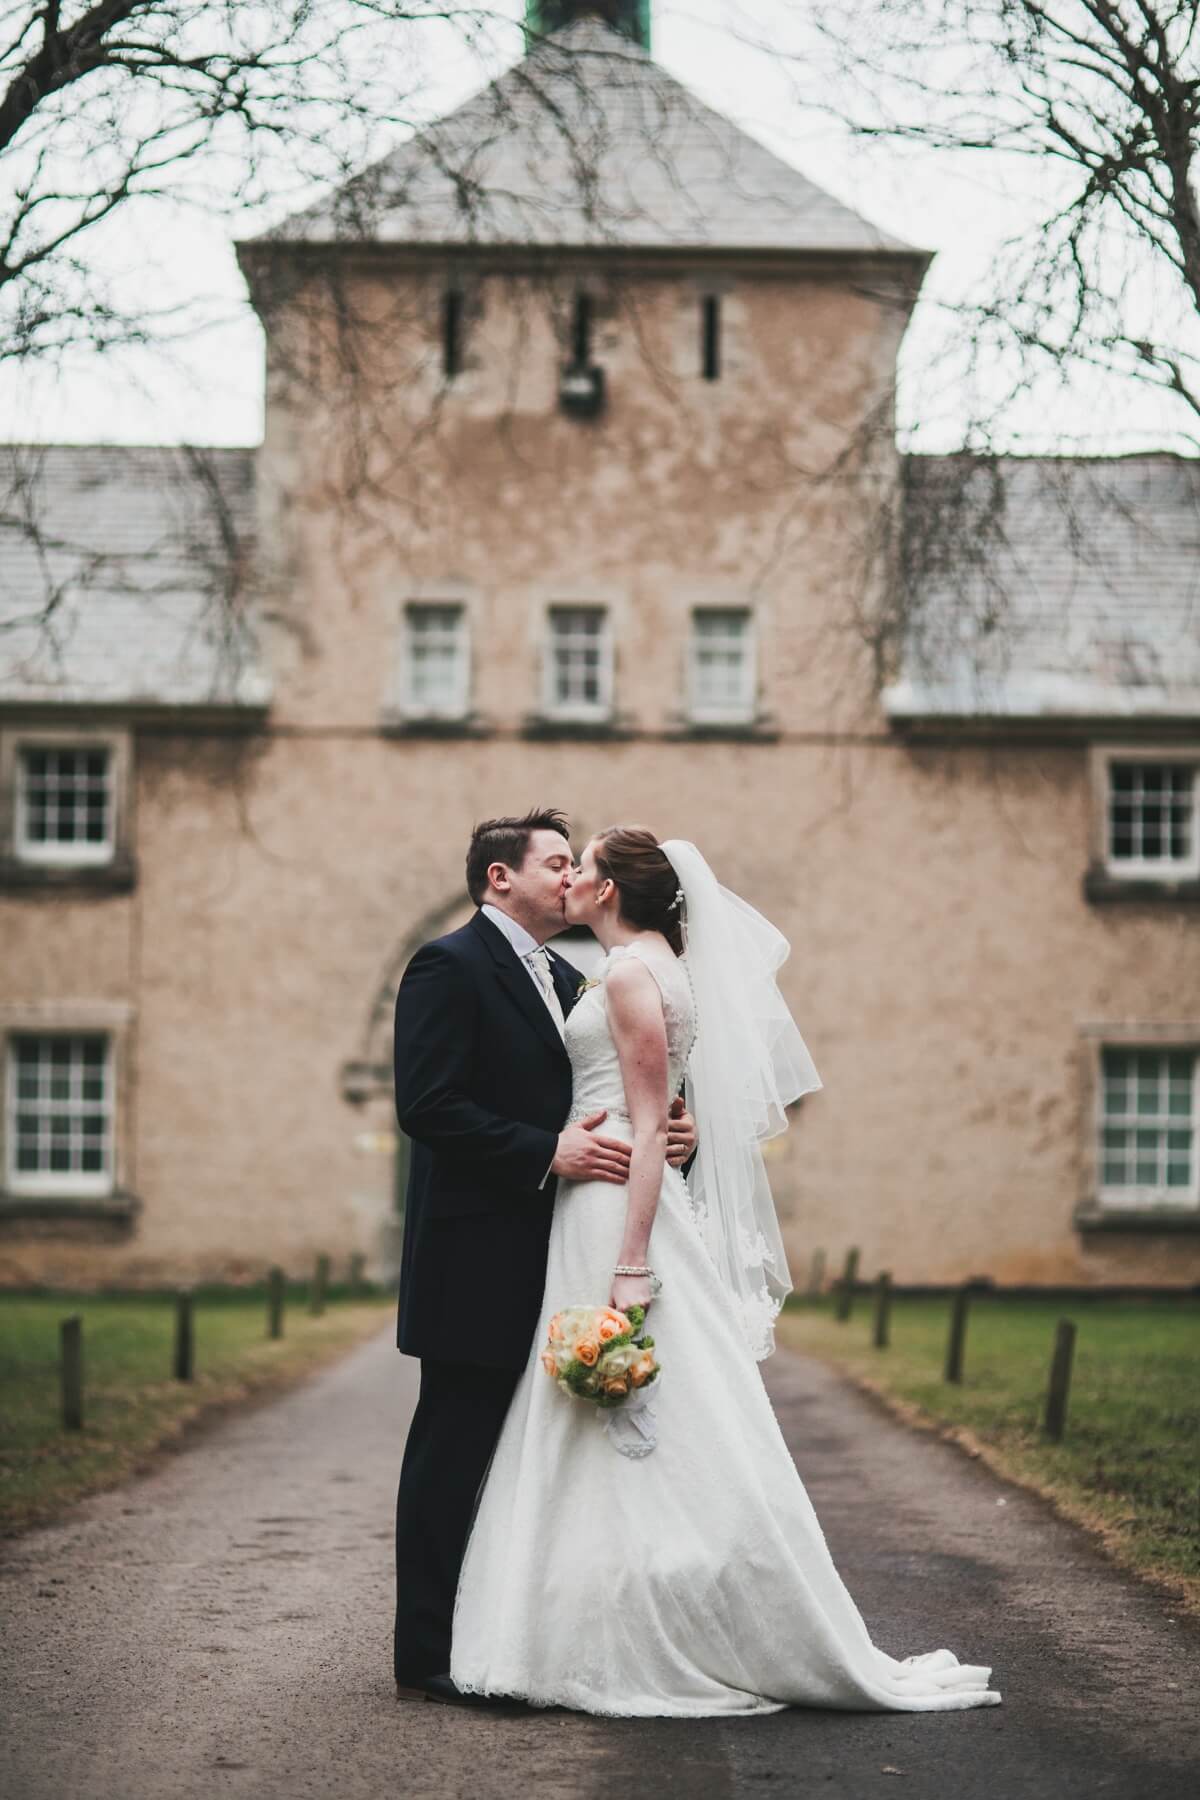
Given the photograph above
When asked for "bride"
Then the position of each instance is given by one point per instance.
(668, 1561)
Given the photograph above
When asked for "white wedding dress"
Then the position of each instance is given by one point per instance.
(696, 1579)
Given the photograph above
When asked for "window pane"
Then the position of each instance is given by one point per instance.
(436, 657)
(1157, 1087)
(65, 797)
(59, 1117)
(1151, 807)
(722, 669)
(578, 656)
(1149, 1070)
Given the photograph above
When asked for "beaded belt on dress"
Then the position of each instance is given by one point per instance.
(585, 1108)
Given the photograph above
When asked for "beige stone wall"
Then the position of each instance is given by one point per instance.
(944, 964)
(738, 490)
(945, 960)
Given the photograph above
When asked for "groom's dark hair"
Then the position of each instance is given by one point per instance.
(506, 841)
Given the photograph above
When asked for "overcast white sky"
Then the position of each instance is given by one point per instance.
(207, 386)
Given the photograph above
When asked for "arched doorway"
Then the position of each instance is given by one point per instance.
(367, 1081)
(367, 1084)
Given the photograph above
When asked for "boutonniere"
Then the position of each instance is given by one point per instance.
(584, 985)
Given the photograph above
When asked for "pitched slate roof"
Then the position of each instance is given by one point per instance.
(121, 576)
(122, 572)
(1051, 588)
(586, 142)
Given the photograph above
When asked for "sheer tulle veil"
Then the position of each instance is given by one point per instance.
(748, 1063)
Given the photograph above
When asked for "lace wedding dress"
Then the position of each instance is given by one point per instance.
(694, 1580)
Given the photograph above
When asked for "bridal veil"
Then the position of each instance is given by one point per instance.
(748, 1064)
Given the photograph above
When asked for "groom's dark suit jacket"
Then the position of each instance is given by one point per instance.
(483, 1086)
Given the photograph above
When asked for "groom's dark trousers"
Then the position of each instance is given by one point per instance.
(483, 1086)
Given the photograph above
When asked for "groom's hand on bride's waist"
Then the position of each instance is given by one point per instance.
(681, 1135)
(583, 1155)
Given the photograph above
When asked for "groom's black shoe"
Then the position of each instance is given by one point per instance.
(442, 1689)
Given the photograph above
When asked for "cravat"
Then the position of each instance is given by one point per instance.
(539, 962)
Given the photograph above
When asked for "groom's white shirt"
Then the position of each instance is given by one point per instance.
(527, 948)
(524, 944)
(520, 939)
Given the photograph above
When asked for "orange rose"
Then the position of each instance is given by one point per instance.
(616, 1385)
(608, 1329)
(622, 1323)
(548, 1362)
(587, 1350)
(642, 1369)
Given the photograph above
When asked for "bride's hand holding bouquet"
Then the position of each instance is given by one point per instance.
(631, 1290)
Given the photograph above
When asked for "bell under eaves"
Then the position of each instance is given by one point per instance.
(630, 17)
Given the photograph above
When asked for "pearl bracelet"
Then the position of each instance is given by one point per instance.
(648, 1273)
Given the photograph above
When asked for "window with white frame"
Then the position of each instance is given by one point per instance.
(1148, 1108)
(1152, 821)
(437, 664)
(64, 803)
(59, 1114)
(577, 680)
(721, 674)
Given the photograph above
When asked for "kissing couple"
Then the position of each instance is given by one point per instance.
(547, 1551)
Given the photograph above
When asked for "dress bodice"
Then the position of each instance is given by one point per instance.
(595, 1068)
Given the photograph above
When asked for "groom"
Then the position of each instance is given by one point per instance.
(483, 1085)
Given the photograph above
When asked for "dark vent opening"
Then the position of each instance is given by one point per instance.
(581, 333)
(452, 333)
(710, 333)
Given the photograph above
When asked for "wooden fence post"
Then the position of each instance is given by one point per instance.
(185, 1340)
(1060, 1380)
(275, 1303)
(846, 1289)
(71, 1336)
(316, 1298)
(358, 1263)
(958, 1333)
(883, 1310)
(816, 1274)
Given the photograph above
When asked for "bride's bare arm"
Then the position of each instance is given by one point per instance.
(635, 1018)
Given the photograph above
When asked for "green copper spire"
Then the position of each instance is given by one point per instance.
(631, 17)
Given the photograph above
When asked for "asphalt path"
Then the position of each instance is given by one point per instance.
(221, 1628)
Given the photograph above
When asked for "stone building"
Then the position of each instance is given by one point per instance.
(579, 486)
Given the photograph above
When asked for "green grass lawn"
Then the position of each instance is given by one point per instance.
(1129, 1464)
(132, 1406)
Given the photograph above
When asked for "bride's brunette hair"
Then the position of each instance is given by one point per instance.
(630, 856)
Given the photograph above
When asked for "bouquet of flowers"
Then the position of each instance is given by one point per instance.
(600, 1354)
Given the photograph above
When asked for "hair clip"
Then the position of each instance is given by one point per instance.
(677, 902)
